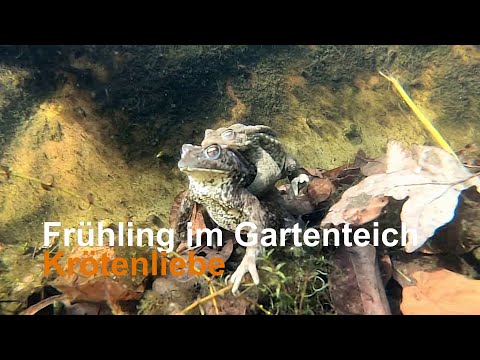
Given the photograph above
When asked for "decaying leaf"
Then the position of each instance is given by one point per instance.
(441, 292)
(319, 190)
(430, 177)
(349, 173)
(356, 284)
(315, 172)
(173, 218)
(199, 219)
(374, 167)
(469, 155)
(343, 175)
(405, 265)
(99, 290)
(222, 252)
(364, 209)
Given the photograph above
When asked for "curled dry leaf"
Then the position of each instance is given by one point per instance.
(356, 284)
(469, 155)
(364, 208)
(349, 173)
(173, 218)
(405, 265)
(222, 252)
(315, 172)
(430, 177)
(374, 167)
(441, 292)
(199, 218)
(319, 190)
(98, 290)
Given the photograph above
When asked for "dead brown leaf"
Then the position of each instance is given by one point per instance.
(469, 155)
(363, 209)
(199, 219)
(430, 177)
(405, 265)
(356, 284)
(222, 252)
(319, 190)
(374, 167)
(98, 290)
(343, 175)
(315, 172)
(441, 292)
(173, 218)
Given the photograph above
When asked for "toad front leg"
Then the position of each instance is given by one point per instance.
(257, 215)
(248, 265)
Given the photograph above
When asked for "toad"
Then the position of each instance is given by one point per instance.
(259, 145)
(218, 180)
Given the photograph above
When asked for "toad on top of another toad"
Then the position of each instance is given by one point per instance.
(259, 145)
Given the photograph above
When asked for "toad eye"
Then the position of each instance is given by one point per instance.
(213, 152)
(228, 134)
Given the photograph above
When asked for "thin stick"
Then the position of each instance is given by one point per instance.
(32, 310)
(38, 181)
(214, 301)
(267, 312)
(423, 119)
(404, 276)
(206, 298)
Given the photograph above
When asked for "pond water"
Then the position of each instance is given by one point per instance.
(100, 128)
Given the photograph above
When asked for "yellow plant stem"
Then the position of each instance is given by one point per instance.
(214, 301)
(205, 299)
(38, 181)
(211, 288)
(423, 119)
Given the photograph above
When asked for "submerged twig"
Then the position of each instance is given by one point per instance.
(32, 310)
(206, 298)
(47, 187)
(423, 119)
